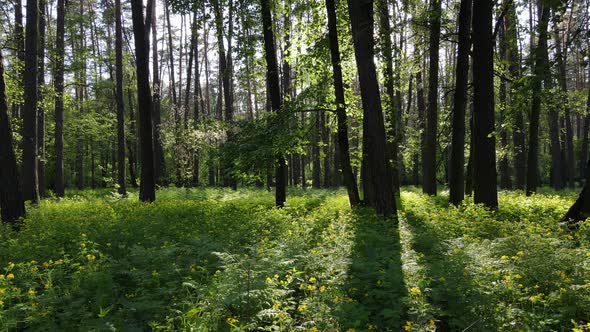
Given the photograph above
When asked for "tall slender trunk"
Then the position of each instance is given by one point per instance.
(540, 69)
(159, 162)
(315, 151)
(457, 176)
(505, 178)
(342, 133)
(272, 76)
(121, 175)
(19, 41)
(58, 82)
(40, 109)
(429, 162)
(30, 185)
(12, 206)
(391, 109)
(147, 191)
(377, 183)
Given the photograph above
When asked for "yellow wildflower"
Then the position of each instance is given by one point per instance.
(302, 308)
(577, 330)
(408, 325)
(322, 289)
(415, 291)
(31, 292)
(90, 257)
(504, 258)
(312, 279)
(311, 287)
(314, 329)
(431, 324)
(231, 320)
(10, 276)
(371, 327)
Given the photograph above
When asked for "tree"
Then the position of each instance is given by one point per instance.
(429, 162)
(484, 159)
(58, 82)
(347, 174)
(274, 90)
(393, 111)
(147, 189)
(40, 110)
(159, 162)
(377, 183)
(12, 206)
(457, 176)
(121, 176)
(540, 69)
(30, 184)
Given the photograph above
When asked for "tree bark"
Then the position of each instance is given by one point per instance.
(505, 178)
(457, 176)
(342, 134)
(40, 110)
(159, 162)
(377, 183)
(147, 191)
(272, 76)
(429, 162)
(484, 159)
(30, 185)
(540, 69)
(12, 206)
(58, 82)
(121, 175)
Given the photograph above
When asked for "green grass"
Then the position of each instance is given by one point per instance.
(222, 260)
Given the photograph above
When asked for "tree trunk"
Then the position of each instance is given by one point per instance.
(377, 182)
(505, 179)
(19, 41)
(147, 191)
(58, 82)
(429, 162)
(518, 132)
(315, 151)
(540, 69)
(391, 109)
(484, 159)
(347, 175)
(121, 176)
(12, 206)
(272, 76)
(159, 162)
(40, 110)
(457, 176)
(30, 185)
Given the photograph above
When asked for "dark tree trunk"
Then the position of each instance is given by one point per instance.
(377, 183)
(457, 176)
(132, 144)
(12, 206)
(342, 134)
(40, 110)
(540, 69)
(584, 167)
(325, 148)
(147, 191)
(315, 151)
(19, 41)
(121, 176)
(30, 185)
(570, 165)
(580, 210)
(518, 132)
(391, 109)
(272, 76)
(159, 162)
(225, 73)
(429, 162)
(58, 82)
(421, 103)
(484, 158)
(505, 179)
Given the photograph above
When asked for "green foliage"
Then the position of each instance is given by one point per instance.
(222, 260)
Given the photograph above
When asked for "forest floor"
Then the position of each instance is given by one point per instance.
(219, 260)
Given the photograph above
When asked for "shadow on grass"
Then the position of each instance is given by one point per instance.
(452, 290)
(375, 286)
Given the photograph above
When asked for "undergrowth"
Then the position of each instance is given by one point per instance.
(222, 260)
